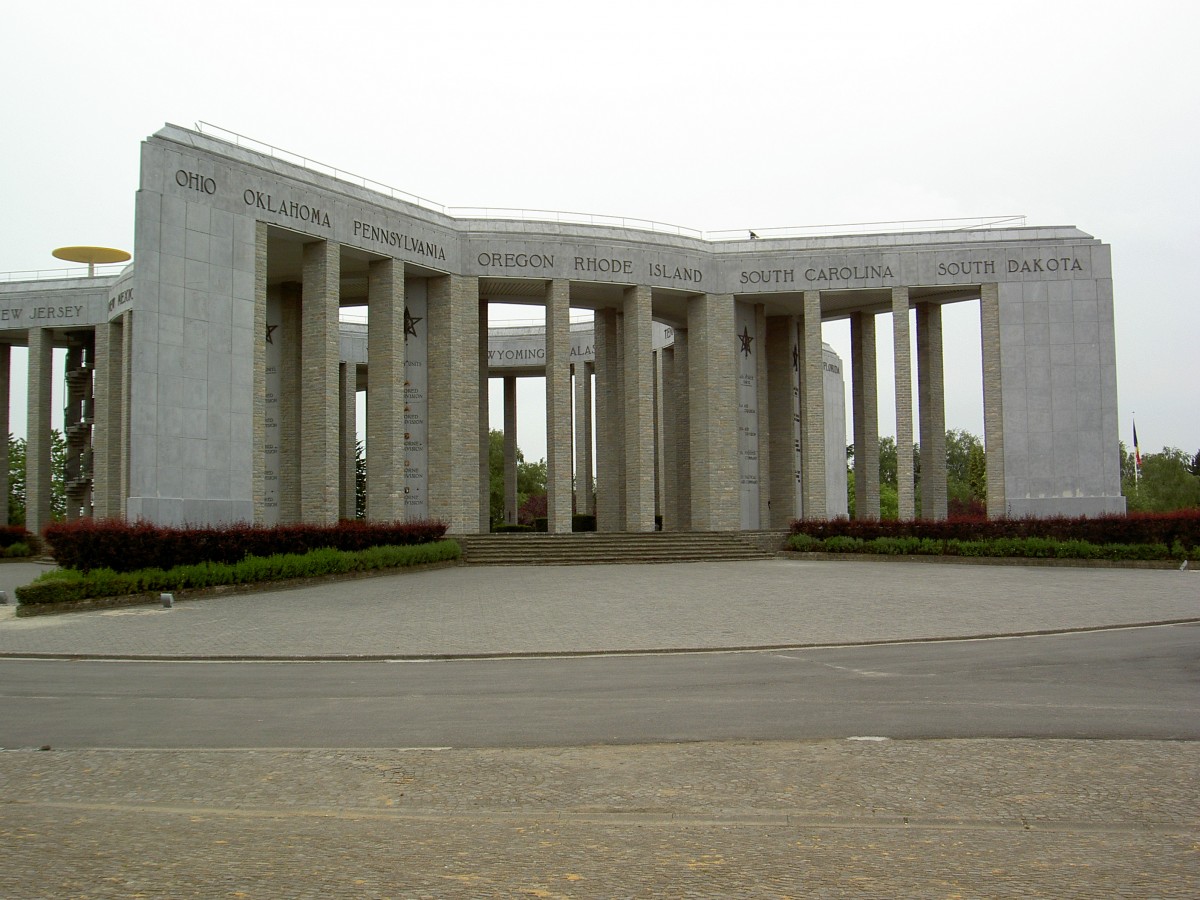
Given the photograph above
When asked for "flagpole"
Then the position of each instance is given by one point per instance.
(1137, 455)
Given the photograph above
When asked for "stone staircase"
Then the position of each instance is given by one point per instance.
(593, 548)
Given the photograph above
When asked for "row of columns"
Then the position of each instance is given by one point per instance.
(666, 423)
(317, 399)
(97, 376)
(317, 396)
(656, 472)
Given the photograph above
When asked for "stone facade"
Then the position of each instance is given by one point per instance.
(190, 426)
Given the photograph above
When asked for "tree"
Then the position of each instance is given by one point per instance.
(966, 476)
(1166, 482)
(531, 477)
(16, 478)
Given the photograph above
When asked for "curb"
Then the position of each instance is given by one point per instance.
(567, 654)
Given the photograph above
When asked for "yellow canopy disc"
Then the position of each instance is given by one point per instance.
(91, 255)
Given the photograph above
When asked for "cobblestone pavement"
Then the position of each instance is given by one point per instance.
(839, 819)
(539, 609)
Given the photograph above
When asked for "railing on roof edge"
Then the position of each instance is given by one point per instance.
(969, 223)
(102, 270)
(550, 215)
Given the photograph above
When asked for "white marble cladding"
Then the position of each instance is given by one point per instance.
(836, 439)
(1059, 384)
(192, 378)
(192, 301)
(243, 184)
(61, 303)
(197, 168)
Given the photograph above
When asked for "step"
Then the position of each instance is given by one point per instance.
(591, 548)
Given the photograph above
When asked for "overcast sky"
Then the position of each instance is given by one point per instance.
(704, 114)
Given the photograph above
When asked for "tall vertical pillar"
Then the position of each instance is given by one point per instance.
(638, 340)
(348, 440)
(712, 408)
(558, 406)
(485, 438)
(905, 488)
(993, 406)
(259, 403)
(125, 386)
(583, 439)
(609, 449)
(815, 506)
(5, 399)
(510, 449)
(319, 405)
(106, 436)
(290, 420)
(453, 336)
(681, 417)
(865, 394)
(385, 391)
(669, 483)
(781, 421)
(762, 404)
(37, 446)
(931, 411)
(659, 489)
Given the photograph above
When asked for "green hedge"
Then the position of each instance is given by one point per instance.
(1027, 548)
(66, 585)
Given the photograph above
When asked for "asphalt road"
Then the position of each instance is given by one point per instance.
(1115, 684)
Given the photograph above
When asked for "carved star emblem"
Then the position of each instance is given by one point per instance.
(795, 359)
(746, 340)
(410, 323)
(270, 331)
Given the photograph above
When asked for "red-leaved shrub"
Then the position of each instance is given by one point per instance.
(1136, 528)
(87, 544)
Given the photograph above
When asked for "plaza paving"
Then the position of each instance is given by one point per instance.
(570, 609)
(982, 818)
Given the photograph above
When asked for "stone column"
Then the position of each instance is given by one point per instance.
(37, 443)
(669, 482)
(558, 406)
(259, 402)
(813, 458)
(485, 439)
(680, 418)
(453, 338)
(583, 440)
(107, 497)
(126, 425)
(993, 406)
(348, 443)
(905, 488)
(931, 410)
(865, 393)
(659, 490)
(510, 450)
(385, 391)
(781, 421)
(609, 449)
(712, 408)
(762, 405)
(319, 405)
(290, 437)
(5, 400)
(638, 340)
